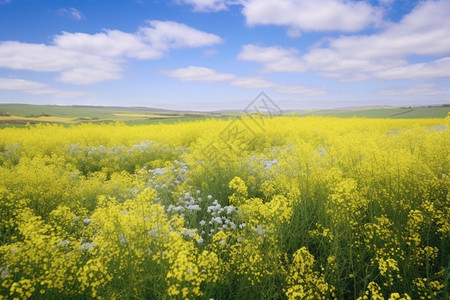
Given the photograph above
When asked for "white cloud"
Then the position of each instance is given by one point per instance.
(5, 1)
(88, 58)
(201, 74)
(436, 69)
(36, 88)
(56, 93)
(44, 58)
(164, 35)
(19, 84)
(112, 43)
(307, 15)
(252, 83)
(205, 5)
(425, 89)
(41, 57)
(88, 75)
(71, 13)
(423, 32)
(150, 42)
(294, 32)
(274, 59)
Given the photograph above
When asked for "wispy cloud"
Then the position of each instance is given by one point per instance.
(202, 74)
(439, 68)
(205, 5)
(423, 89)
(274, 59)
(295, 89)
(199, 74)
(71, 12)
(252, 83)
(208, 5)
(36, 88)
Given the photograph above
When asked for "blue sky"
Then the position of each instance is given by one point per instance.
(219, 54)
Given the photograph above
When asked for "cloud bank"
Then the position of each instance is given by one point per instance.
(82, 58)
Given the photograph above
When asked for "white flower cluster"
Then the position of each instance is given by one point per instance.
(220, 216)
(161, 183)
(86, 246)
(4, 271)
(64, 243)
(214, 216)
(143, 147)
(188, 203)
(270, 163)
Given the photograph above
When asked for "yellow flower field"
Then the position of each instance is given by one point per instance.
(253, 208)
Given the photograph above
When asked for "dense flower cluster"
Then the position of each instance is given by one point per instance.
(299, 208)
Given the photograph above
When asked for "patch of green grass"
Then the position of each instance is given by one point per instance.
(134, 115)
(395, 113)
(98, 112)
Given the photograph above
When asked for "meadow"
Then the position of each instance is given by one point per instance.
(242, 208)
(18, 115)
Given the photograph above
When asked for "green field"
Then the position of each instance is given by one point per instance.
(388, 112)
(90, 112)
(18, 115)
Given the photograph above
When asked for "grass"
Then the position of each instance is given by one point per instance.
(20, 114)
(394, 113)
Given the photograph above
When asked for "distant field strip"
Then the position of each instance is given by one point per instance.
(145, 116)
(44, 119)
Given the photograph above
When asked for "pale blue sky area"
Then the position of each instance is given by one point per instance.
(219, 54)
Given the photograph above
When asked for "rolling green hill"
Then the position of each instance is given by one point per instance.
(21, 114)
(383, 112)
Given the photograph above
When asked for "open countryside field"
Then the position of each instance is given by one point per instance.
(27, 113)
(384, 112)
(20, 114)
(251, 208)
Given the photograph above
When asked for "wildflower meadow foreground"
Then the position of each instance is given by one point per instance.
(253, 208)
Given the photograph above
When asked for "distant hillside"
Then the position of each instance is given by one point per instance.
(26, 113)
(381, 112)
